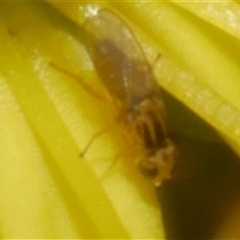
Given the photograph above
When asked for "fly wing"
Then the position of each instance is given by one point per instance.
(118, 58)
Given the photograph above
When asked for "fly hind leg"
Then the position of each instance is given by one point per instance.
(84, 85)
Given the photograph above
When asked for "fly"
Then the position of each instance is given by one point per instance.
(125, 72)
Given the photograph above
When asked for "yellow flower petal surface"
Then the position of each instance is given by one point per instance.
(49, 191)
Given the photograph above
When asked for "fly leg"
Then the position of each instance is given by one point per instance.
(155, 62)
(93, 138)
(85, 86)
(95, 94)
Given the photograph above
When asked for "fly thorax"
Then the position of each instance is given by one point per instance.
(148, 123)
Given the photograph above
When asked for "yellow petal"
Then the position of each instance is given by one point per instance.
(49, 191)
(47, 117)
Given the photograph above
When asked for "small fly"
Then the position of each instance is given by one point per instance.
(125, 72)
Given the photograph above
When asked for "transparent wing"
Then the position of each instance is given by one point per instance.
(118, 58)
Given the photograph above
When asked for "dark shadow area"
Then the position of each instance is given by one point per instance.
(205, 184)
